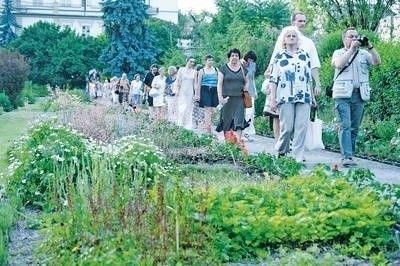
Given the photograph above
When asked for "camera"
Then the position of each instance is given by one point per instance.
(363, 40)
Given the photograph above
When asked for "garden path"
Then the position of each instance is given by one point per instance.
(384, 173)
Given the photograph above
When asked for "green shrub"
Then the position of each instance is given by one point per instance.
(5, 102)
(35, 159)
(385, 86)
(36, 90)
(14, 71)
(261, 124)
(298, 212)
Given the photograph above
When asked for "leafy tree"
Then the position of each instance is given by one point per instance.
(166, 34)
(36, 43)
(7, 23)
(14, 72)
(58, 57)
(131, 46)
(247, 25)
(358, 13)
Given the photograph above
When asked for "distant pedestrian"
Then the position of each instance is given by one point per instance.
(148, 79)
(124, 88)
(184, 89)
(170, 97)
(158, 100)
(206, 91)
(232, 82)
(249, 63)
(136, 92)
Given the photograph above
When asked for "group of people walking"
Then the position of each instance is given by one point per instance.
(292, 78)
(292, 72)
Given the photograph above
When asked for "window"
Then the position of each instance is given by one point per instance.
(85, 30)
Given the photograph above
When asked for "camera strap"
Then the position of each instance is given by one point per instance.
(343, 69)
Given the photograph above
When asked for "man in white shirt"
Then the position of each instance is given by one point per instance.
(299, 21)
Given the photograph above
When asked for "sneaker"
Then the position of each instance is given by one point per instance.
(348, 162)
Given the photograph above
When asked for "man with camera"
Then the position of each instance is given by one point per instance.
(351, 84)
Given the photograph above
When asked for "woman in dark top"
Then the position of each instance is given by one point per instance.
(232, 81)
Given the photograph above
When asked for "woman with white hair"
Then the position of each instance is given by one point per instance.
(291, 93)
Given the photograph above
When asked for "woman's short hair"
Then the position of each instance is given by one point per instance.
(172, 69)
(250, 55)
(136, 75)
(285, 31)
(161, 69)
(233, 51)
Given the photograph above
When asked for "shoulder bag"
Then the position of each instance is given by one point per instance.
(329, 89)
(248, 102)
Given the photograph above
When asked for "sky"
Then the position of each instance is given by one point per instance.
(196, 6)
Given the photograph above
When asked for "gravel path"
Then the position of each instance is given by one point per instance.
(23, 241)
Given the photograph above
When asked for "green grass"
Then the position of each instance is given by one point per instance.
(12, 126)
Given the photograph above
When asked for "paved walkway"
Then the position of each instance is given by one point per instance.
(383, 172)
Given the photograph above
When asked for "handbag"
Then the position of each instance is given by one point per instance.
(154, 92)
(365, 92)
(247, 99)
(329, 89)
(313, 140)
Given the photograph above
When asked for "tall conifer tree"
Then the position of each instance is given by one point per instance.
(131, 46)
(8, 23)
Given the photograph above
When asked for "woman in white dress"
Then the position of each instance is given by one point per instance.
(159, 84)
(184, 89)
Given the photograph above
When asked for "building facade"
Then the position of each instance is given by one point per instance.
(83, 16)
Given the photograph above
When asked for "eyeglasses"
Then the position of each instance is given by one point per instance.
(352, 36)
(192, 61)
(291, 36)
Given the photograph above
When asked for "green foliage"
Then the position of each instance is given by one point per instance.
(13, 73)
(35, 89)
(297, 212)
(166, 35)
(262, 127)
(5, 103)
(7, 214)
(283, 167)
(356, 13)
(35, 158)
(58, 57)
(385, 85)
(131, 49)
(247, 25)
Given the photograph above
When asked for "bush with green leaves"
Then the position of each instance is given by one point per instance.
(5, 103)
(14, 72)
(298, 212)
(385, 85)
(283, 167)
(35, 157)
